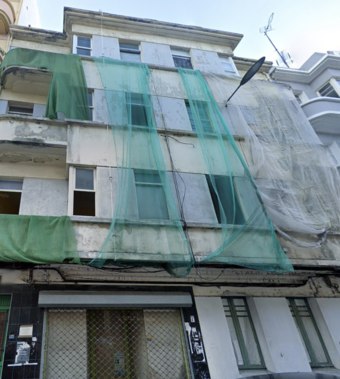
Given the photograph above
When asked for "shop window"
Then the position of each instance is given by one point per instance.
(151, 199)
(84, 192)
(10, 196)
(20, 108)
(245, 343)
(309, 332)
(181, 58)
(129, 52)
(136, 108)
(225, 200)
(202, 116)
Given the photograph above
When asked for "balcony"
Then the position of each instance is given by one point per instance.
(26, 80)
(324, 114)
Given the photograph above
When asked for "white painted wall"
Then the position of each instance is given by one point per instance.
(217, 341)
(278, 336)
(326, 313)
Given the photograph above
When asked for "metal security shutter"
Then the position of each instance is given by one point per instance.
(115, 344)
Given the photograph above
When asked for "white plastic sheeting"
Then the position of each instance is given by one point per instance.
(296, 176)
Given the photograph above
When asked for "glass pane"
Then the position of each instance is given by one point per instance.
(15, 185)
(129, 57)
(85, 52)
(183, 62)
(84, 179)
(90, 98)
(229, 201)
(250, 342)
(147, 177)
(314, 340)
(84, 42)
(151, 202)
(10, 202)
(84, 203)
(234, 340)
(129, 47)
(138, 115)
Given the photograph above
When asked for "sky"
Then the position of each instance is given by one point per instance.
(299, 27)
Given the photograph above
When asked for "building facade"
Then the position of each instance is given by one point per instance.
(149, 229)
(316, 87)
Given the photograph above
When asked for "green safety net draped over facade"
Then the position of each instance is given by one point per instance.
(146, 226)
(68, 90)
(246, 236)
(37, 239)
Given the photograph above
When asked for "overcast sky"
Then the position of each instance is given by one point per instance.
(300, 27)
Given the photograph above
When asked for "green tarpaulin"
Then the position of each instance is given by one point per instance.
(68, 90)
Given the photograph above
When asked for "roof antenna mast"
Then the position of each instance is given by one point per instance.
(265, 31)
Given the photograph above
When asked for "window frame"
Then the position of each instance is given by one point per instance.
(133, 108)
(90, 98)
(73, 189)
(234, 316)
(296, 314)
(181, 55)
(78, 47)
(225, 60)
(129, 49)
(150, 184)
(206, 120)
(328, 88)
(12, 190)
(20, 107)
(239, 217)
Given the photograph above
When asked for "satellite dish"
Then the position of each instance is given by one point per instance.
(252, 71)
(248, 75)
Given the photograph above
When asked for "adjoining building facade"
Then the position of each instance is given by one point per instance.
(149, 229)
(316, 87)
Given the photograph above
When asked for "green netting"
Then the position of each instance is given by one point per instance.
(68, 90)
(246, 236)
(37, 239)
(146, 226)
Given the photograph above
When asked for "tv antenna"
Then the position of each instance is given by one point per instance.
(265, 31)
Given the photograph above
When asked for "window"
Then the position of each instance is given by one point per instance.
(151, 198)
(129, 52)
(225, 200)
(20, 108)
(84, 192)
(328, 91)
(10, 196)
(136, 109)
(309, 332)
(181, 58)
(83, 45)
(243, 335)
(202, 114)
(90, 102)
(228, 65)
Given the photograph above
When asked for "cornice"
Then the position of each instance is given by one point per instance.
(306, 77)
(148, 26)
